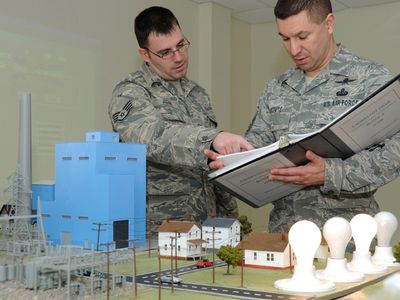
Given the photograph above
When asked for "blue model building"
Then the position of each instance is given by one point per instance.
(100, 193)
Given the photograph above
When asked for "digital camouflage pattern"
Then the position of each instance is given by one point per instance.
(291, 104)
(176, 124)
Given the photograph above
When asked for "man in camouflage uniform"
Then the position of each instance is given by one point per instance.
(158, 106)
(327, 80)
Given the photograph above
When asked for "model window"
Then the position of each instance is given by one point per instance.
(268, 257)
(255, 255)
(179, 248)
(110, 158)
(165, 247)
(272, 257)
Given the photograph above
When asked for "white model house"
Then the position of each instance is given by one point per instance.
(184, 236)
(219, 232)
(269, 250)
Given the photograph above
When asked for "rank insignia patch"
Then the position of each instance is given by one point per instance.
(122, 114)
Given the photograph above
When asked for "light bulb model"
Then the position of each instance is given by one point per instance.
(304, 238)
(387, 226)
(337, 233)
(364, 229)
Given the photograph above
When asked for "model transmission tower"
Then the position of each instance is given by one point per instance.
(20, 188)
(22, 222)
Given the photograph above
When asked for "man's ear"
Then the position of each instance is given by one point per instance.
(144, 54)
(330, 22)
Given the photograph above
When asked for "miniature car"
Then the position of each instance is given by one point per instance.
(204, 263)
(169, 279)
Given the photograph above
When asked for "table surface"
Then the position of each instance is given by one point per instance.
(385, 286)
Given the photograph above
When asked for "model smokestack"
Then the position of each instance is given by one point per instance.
(25, 152)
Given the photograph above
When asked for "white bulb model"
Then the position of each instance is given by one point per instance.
(364, 229)
(337, 233)
(387, 226)
(304, 238)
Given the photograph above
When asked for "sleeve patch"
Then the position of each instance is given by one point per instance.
(123, 113)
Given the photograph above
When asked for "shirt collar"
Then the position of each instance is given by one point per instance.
(295, 77)
(152, 77)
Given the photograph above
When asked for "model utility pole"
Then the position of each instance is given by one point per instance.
(134, 264)
(213, 232)
(241, 273)
(98, 233)
(159, 273)
(149, 233)
(172, 264)
(108, 269)
(176, 253)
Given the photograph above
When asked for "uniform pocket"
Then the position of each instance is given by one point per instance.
(280, 124)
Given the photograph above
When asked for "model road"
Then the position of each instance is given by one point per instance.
(151, 279)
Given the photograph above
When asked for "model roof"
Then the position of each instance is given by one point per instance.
(197, 241)
(264, 241)
(219, 222)
(176, 226)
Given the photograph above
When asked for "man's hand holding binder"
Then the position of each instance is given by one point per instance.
(312, 173)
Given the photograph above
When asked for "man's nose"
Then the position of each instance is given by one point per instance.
(294, 48)
(177, 55)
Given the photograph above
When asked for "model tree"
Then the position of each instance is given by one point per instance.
(396, 251)
(231, 255)
(245, 226)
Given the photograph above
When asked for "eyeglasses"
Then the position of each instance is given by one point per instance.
(169, 53)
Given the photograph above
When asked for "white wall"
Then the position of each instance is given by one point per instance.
(242, 103)
(280, 259)
(215, 57)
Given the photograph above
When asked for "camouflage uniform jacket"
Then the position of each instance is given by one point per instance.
(176, 126)
(291, 105)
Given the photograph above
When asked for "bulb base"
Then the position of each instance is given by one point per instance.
(383, 256)
(304, 280)
(336, 270)
(362, 262)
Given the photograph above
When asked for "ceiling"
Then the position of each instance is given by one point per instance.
(261, 11)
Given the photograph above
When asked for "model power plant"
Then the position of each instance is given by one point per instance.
(99, 195)
(97, 202)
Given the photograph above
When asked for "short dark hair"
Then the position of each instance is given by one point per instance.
(153, 19)
(317, 9)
